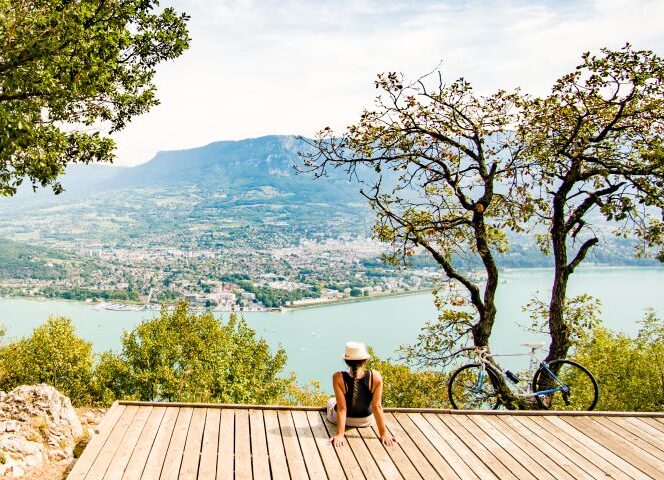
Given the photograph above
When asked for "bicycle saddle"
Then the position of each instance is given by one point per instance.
(533, 344)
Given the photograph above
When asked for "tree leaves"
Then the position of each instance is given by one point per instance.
(68, 72)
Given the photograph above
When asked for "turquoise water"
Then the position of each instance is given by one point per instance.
(314, 337)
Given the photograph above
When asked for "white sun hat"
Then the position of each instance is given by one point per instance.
(355, 351)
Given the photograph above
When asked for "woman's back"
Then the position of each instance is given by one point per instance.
(358, 394)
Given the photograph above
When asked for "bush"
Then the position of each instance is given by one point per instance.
(629, 371)
(54, 355)
(408, 388)
(182, 356)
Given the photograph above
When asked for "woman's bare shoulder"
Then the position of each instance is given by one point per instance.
(376, 376)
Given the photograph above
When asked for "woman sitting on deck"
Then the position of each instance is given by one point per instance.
(357, 396)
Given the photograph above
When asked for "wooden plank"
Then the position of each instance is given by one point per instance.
(226, 455)
(478, 440)
(652, 439)
(259, 457)
(462, 460)
(380, 453)
(490, 458)
(85, 461)
(650, 421)
(158, 452)
(129, 442)
(643, 430)
(395, 453)
(548, 456)
(440, 455)
(173, 459)
(275, 445)
(412, 452)
(346, 456)
(192, 447)
(566, 452)
(628, 435)
(296, 465)
(308, 446)
(641, 459)
(333, 467)
(144, 444)
(242, 445)
(208, 467)
(103, 460)
(369, 467)
(610, 458)
(519, 448)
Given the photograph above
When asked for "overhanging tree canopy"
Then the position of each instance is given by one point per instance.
(67, 69)
(596, 144)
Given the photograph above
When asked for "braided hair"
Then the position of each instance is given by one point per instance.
(354, 366)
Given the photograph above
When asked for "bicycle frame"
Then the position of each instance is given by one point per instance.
(484, 357)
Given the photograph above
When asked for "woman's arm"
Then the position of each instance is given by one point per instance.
(377, 409)
(338, 384)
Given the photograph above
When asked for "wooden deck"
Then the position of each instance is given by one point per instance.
(186, 441)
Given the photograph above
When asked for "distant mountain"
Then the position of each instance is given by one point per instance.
(264, 163)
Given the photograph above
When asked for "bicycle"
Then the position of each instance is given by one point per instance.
(556, 385)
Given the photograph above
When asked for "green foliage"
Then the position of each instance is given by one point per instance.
(438, 338)
(183, 356)
(408, 388)
(310, 394)
(629, 371)
(54, 355)
(581, 313)
(85, 63)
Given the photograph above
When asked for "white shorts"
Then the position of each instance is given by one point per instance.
(350, 421)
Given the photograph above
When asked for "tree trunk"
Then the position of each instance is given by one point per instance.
(558, 329)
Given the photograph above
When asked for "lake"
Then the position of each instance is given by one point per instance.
(314, 337)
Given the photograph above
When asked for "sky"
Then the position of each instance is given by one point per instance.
(261, 67)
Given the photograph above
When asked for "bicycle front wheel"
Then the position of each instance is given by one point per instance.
(575, 387)
(472, 388)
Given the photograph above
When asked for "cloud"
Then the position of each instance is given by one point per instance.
(295, 66)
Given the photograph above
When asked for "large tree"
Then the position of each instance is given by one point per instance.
(71, 73)
(441, 167)
(597, 147)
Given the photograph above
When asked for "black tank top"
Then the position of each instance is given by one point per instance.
(358, 395)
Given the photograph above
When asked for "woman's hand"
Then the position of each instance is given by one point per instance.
(387, 439)
(338, 440)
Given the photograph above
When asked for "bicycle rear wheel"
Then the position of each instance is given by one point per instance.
(472, 388)
(578, 392)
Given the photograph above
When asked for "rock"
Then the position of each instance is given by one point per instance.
(36, 423)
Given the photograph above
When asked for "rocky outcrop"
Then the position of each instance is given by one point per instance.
(37, 424)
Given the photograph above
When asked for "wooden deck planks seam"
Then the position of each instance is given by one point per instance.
(598, 450)
(575, 451)
(139, 456)
(345, 454)
(82, 466)
(548, 448)
(639, 458)
(104, 458)
(326, 450)
(518, 447)
(412, 452)
(452, 464)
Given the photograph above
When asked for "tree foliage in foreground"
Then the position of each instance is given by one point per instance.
(69, 69)
(629, 371)
(408, 388)
(54, 355)
(184, 356)
(597, 148)
(451, 173)
(446, 179)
